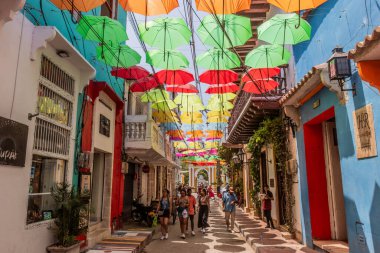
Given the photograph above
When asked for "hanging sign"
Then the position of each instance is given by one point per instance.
(13, 141)
(364, 132)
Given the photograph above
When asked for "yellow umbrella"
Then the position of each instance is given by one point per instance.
(164, 105)
(191, 121)
(219, 106)
(155, 96)
(218, 114)
(217, 120)
(223, 97)
(193, 115)
(192, 108)
(211, 144)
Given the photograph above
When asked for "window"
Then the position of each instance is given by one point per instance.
(45, 172)
(109, 9)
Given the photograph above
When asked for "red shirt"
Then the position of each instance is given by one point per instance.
(192, 203)
(267, 203)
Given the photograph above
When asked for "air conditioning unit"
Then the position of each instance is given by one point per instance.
(292, 167)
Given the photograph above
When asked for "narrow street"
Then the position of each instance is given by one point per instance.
(216, 240)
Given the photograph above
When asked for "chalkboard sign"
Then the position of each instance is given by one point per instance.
(105, 125)
(13, 141)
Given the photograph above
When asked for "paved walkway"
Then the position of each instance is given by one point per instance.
(217, 240)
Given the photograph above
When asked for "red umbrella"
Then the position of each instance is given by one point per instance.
(264, 85)
(222, 88)
(186, 88)
(131, 73)
(144, 84)
(260, 73)
(218, 76)
(174, 76)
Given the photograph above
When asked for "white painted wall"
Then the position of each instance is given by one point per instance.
(19, 79)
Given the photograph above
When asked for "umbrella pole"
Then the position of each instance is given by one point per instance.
(146, 14)
(283, 45)
(164, 40)
(299, 15)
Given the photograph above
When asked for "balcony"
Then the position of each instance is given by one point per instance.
(143, 139)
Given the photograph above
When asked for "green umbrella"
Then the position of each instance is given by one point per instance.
(218, 59)
(102, 29)
(267, 56)
(165, 33)
(170, 59)
(284, 29)
(119, 56)
(164, 105)
(237, 28)
(155, 96)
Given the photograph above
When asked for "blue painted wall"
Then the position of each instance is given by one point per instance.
(344, 23)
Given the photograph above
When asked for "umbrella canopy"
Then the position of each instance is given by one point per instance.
(174, 76)
(79, 5)
(284, 29)
(154, 96)
(194, 115)
(260, 73)
(131, 73)
(218, 59)
(211, 144)
(223, 6)
(191, 108)
(218, 114)
(267, 56)
(189, 99)
(191, 121)
(163, 114)
(121, 55)
(217, 106)
(260, 86)
(217, 120)
(102, 29)
(164, 105)
(225, 31)
(149, 7)
(165, 33)
(222, 97)
(169, 59)
(186, 88)
(175, 133)
(218, 76)
(144, 84)
(296, 5)
(222, 88)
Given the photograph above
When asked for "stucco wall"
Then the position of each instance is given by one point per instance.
(14, 181)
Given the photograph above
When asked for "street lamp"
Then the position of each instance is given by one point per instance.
(236, 159)
(339, 67)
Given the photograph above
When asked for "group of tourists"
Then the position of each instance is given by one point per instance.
(186, 206)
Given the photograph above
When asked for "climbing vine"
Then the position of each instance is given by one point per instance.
(272, 131)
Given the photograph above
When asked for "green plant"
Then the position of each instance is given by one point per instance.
(71, 214)
(272, 131)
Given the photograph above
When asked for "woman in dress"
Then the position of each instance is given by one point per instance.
(183, 212)
(163, 211)
(204, 209)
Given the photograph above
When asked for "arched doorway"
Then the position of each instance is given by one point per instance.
(201, 177)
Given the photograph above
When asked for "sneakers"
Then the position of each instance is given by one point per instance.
(162, 238)
(233, 231)
(203, 230)
(183, 236)
(192, 233)
(166, 236)
(187, 232)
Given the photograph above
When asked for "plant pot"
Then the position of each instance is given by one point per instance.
(72, 249)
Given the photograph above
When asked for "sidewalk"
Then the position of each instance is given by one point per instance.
(263, 240)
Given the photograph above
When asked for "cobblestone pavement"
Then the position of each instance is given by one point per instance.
(216, 240)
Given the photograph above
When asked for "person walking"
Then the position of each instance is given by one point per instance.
(229, 206)
(183, 212)
(211, 193)
(267, 198)
(192, 204)
(204, 209)
(163, 211)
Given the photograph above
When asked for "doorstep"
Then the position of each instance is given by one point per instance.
(332, 246)
(124, 241)
(263, 240)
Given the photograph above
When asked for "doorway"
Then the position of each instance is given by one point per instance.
(96, 214)
(264, 172)
(326, 199)
(129, 179)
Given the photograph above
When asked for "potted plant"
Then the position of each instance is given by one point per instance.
(71, 217)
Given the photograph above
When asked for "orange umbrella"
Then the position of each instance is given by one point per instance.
(296, 5)
(149, 7)
(214, 132)
(79, 5)
(195, 132)
(223, 6)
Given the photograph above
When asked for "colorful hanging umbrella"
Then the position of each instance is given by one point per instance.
(215, 106)
(102, 29)
(131, 73)
(225, 31)
(77, 5)
(260, 86)
(165, 114)
(144, 84)
(187, 99)
(267, 56)
(218, 114)
(164, 105)
(223, 97)
(218, 59)
(217, 120)
(165, 33)
(193, 115)
(174, 77)
(191, 108)
(154, 96)
(223, 6)
(211, 144)
(186, 88)
(191, 121)
(260, 73)
(218, 76)
(296, 5)
(283, 29)
(122, 55)
(222, 88)
(169, 59)
(149, 7)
